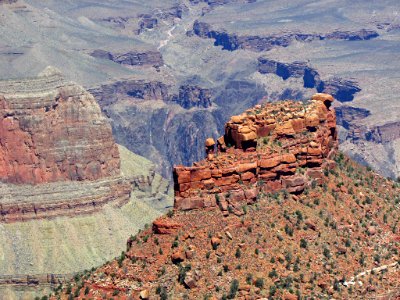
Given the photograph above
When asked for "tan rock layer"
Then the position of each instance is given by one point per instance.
(24, 202)
(293, 137)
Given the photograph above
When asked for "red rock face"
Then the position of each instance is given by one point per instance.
(52, 131)
(265, 149)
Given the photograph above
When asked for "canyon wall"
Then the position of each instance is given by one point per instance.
(52, 131)
(57, 153)
(232, 41)
(283, 145)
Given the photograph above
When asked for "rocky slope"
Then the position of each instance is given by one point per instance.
(335, 237)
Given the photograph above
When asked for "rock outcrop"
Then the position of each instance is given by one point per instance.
(131, 58)
(193, 96)
(342, 89)
(284, 145)
(57, 152)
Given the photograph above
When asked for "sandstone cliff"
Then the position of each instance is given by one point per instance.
(51, 131)
(269, 148)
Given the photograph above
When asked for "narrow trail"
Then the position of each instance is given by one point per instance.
(367, 272)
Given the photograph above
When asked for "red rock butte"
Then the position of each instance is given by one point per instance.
(54, 136)
(53, 131)
(274, 146)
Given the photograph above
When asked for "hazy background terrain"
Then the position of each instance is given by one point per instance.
(169, 73)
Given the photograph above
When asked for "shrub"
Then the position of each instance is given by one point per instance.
(273, 274)
(303, 243)
(238, 253)
(288, 230)
(259, 283)
(233, 289)
(272, 290)
(182, 272)
(249, 278)
(327, 253)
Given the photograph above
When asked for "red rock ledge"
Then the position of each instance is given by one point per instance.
(282, 145)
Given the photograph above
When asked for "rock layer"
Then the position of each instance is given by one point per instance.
(232, 41)
(53, 131)
(277, 146)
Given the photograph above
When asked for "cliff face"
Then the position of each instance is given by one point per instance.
(232, 41)
(264, 150)
(342, 89)
(53, 131)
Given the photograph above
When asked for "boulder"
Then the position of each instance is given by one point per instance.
(246, 167)
(311, 120)
(294, 184)
(285, 129)
(247, 176)
(165, 226)
(183, 176)
(215, 242)
(189, 280)
(288, 158)
(248, 136)
(188, 203)
(210, 142)
(323, 97)
(200, 174)
(178, 256)
(144, 294)
(269, 162)
(237, 119)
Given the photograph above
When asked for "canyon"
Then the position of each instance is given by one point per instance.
(167, 64)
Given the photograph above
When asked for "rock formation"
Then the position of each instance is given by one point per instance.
(132, 58)
(232, 41)
(53, 136)
(342, 89)
(263, 150)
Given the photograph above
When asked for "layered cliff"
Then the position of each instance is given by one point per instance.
(271, 147)
(69, 195)
(232, 41)
(51, 130)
